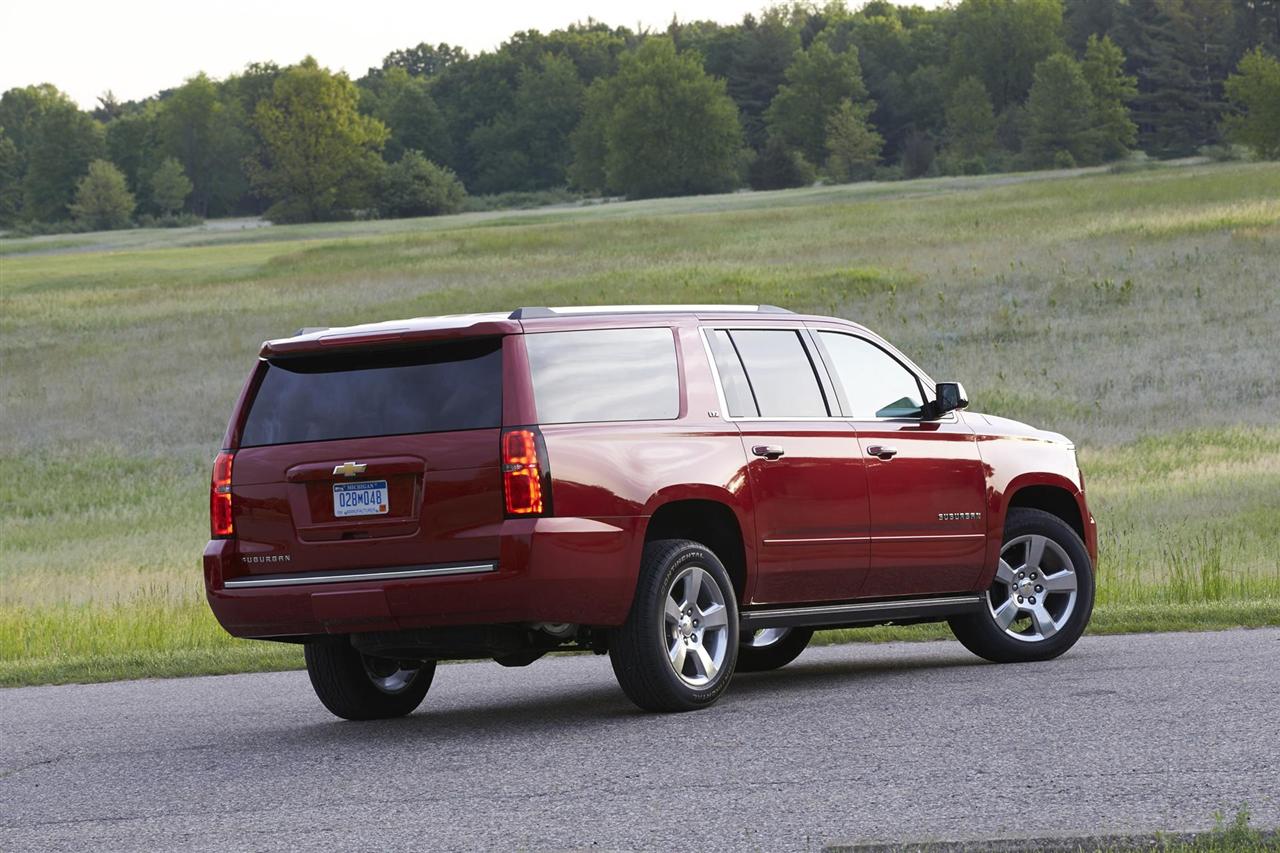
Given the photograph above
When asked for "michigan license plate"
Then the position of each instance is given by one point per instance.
(369, 498)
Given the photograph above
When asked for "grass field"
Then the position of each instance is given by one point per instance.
(1137, 313)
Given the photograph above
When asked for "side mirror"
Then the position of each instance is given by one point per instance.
(948, 397)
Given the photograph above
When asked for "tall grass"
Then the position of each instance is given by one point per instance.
(1135, 313)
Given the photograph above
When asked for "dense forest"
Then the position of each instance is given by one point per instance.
(794, 94)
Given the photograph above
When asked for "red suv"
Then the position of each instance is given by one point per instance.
(692, 490)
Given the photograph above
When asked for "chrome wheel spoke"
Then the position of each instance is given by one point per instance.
(693, 587)
(1060, 582)
(1035, 552)
(678, 652)
(1005, 573)
(673, 612)
(715, 616)
(702, 661)
(1006, 613)
(1043, 621)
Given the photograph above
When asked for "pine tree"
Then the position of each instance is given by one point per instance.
(1060, 114)
(170, 186)
(1112, 89)
(853, 146)
(971, 122)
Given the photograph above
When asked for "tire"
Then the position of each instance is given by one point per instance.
(1041, 599)
(762, 651)
(358, 687)
(678, 657)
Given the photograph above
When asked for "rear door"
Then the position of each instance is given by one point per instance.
(925, 477)
(806, 474)
(372, 460)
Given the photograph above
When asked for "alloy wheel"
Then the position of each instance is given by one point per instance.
(695, 626)
(1035, 589)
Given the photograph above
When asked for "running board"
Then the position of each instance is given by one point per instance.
(861, 613)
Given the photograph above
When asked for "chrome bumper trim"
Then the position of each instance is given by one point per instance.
(400, 573)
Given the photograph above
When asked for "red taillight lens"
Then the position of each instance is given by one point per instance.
(220, 523)
(521, 472)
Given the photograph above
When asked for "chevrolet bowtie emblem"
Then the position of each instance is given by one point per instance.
(349, 469)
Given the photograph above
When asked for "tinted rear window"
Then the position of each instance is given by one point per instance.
(604, 375)
(440, 388)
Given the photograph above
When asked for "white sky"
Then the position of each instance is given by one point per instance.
(137, 47)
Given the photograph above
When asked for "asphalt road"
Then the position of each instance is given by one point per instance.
(857, 743)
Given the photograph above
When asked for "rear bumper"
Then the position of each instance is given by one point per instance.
(576, 570)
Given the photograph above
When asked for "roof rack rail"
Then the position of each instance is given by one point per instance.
(529, 313)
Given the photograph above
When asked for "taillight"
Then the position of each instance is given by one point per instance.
(221, 525)
(523, 473)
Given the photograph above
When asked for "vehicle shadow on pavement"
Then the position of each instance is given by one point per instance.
(604, 702)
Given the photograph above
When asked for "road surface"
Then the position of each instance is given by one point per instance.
(850, 744)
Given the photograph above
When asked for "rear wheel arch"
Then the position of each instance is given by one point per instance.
(709, 522)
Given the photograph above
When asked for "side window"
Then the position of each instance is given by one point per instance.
(733, 379)
(779, 373)
(604, 375)
(875, 384)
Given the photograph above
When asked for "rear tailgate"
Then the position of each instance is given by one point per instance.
(373, 460)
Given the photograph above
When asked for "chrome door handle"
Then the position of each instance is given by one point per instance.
(883, 451)
(768, 451)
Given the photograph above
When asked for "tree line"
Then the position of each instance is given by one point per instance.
(778, 99)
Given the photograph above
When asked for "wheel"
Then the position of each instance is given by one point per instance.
(771, 648)
(678, 647)
(355, 686)
(1041, 598)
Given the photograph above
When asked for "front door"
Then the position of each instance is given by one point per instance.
(925, 478)
(805, 469)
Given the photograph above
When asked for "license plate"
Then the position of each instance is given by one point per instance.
(368, 498)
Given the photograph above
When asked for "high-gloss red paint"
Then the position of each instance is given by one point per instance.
(824, 522)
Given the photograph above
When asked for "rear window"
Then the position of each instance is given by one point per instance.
(604, 375)
(440, 388)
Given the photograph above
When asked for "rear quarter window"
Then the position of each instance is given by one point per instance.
(437, 388)
(604, 375)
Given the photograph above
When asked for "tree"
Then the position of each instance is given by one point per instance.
(319, 155)
(660, 126)
(1001, 41)
(819, 80)
(205, 133)
(63, 141)
(971, 121)
(1254, 94)
(1179, 69)
(853, 147)
(403, 104)
(10, 180)
(528, 147)
(131, 146)
(779, 167)
(1103, 69)
(170, 186)
(414, 186)
(424, 60)
(103, 202)
(1060, 114)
